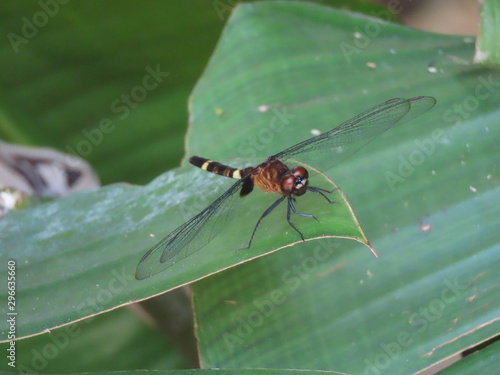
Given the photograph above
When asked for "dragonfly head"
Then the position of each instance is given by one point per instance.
(295, 182)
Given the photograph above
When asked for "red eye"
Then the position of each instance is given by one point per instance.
(300, 172)
(296, 182)
(287, 183)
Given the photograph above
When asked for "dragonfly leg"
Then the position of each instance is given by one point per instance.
(291, 208)
(266, 212)
(322, 192)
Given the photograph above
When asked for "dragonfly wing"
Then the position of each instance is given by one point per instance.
(191, 236)
(331, 147)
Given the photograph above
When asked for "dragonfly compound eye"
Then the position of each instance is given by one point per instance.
(300, 172)
(288, 184)
(301, 180)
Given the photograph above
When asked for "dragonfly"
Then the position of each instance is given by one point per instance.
(274, 176)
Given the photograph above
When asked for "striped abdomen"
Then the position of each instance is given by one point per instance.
(218, 168)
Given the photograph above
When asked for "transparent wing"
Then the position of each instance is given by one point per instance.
(189, 237)
(327, 149)
(330, 148)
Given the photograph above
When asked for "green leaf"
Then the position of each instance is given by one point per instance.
(108, 230)
(280, 71)
(426, 194)
(483, 361)
(92, 242)
(487, 47)
(238, 218)
(92, 345)
(77, 77)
